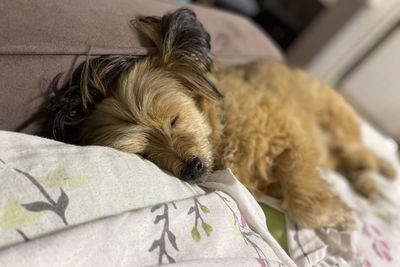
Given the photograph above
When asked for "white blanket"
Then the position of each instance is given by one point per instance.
(47, 187)
(208, 229)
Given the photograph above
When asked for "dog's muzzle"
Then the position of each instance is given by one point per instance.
(193, 169)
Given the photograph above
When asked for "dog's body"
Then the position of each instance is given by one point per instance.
(279, 124)
(275, 127)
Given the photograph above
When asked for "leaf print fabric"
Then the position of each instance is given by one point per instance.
(204, 229)
(199, 212)
(12, 211)
(48, 186)
(60, 178)
(15, 217)
(166, 235)
(156, 235)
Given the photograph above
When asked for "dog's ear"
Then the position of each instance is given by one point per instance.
(183, 45)
(90, 83)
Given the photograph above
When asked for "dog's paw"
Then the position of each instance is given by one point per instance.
(320, 210)
(386, 169)
(365, 185)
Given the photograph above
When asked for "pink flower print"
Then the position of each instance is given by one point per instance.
(385, 245)
(371, 231)
(379, 246)
(382, 250)
(366, 263)
(262, 262)
(376, 230)
(243, 222)
(365, 231)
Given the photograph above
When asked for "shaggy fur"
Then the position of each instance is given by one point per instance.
(275, 127)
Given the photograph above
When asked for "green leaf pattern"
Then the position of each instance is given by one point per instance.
(195, 209)
(207, 228)
(195, 234)
(202, 230)
(204, 209)
(20, 216)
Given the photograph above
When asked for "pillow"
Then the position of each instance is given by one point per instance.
(47, 185)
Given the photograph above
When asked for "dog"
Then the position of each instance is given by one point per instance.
(274, 126)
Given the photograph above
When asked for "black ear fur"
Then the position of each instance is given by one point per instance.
(91, 82)
(185, 38)
(184, 48)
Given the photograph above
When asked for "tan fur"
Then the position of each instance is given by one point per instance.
(280, 125)
(136, 118)
(275, 127)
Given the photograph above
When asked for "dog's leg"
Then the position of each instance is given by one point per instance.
(307, 197)
(351, 157)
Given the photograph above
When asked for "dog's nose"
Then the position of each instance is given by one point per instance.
(193, 169)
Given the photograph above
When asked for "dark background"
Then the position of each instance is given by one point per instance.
(283, 20)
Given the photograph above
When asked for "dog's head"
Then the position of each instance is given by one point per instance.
(151, 106)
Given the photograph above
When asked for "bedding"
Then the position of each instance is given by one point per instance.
(47, 185)
(376, 242)
(121, 206)
(206, 229)
(124, 210)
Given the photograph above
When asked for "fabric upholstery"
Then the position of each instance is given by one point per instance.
(39, 39)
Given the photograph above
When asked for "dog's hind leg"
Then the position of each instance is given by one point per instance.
(307, 197)
(349, 156)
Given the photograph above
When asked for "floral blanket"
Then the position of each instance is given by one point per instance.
(207, 229)
(376, 242)
(127, 212)
(64, 205)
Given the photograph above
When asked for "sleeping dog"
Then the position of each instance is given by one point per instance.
(275, 127)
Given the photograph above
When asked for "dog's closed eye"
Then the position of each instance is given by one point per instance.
(174, 121)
